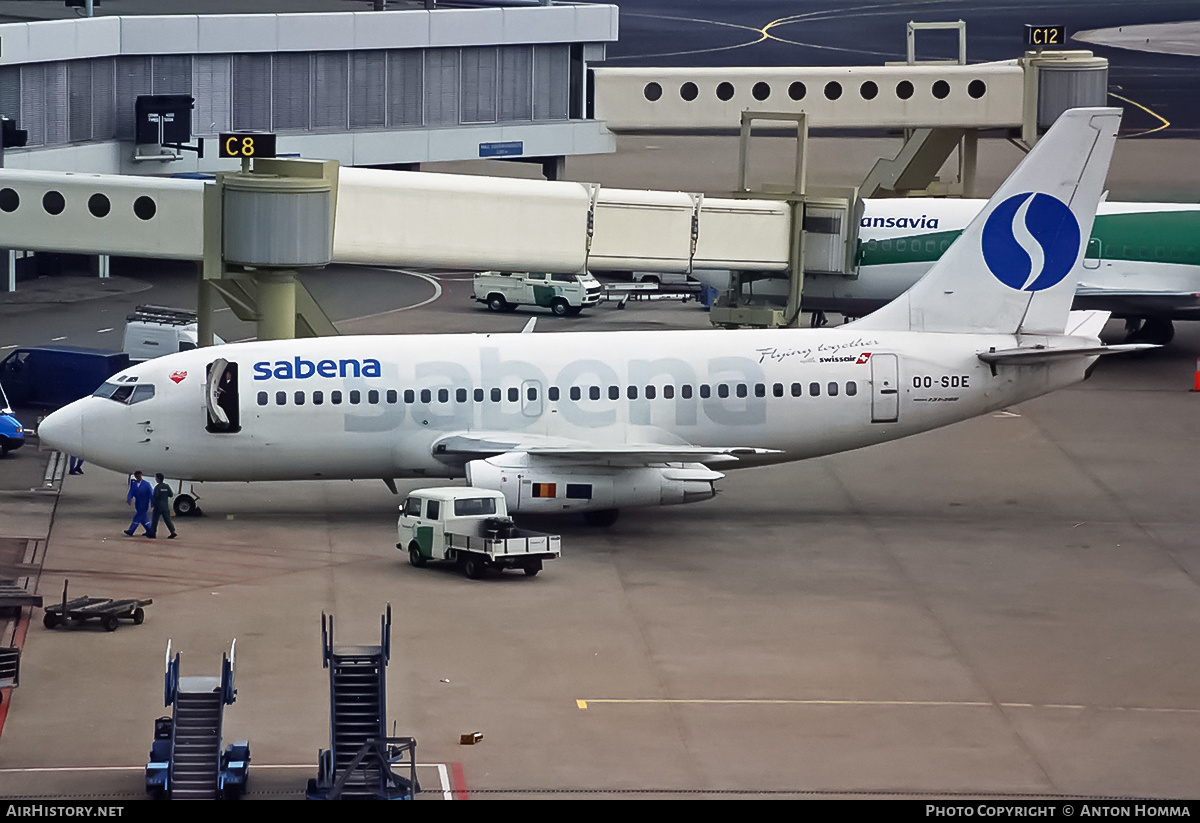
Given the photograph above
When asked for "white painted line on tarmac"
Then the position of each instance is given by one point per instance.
(443, 772)
(103, 331)
(56, 339)
(583, 705)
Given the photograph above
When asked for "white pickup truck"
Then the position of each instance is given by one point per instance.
(563, 294)
(469, 527)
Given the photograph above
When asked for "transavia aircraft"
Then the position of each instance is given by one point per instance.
(1142, 262)
(594, 422)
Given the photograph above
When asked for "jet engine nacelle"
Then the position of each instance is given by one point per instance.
(532, 486)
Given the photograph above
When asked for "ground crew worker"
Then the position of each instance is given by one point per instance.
(161, 495)
(139, 496)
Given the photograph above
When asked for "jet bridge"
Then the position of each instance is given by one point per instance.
(395, 218)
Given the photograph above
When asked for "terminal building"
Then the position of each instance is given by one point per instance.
(366, 88)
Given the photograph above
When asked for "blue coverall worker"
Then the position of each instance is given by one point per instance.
(139, 496)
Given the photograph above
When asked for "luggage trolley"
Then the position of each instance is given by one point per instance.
(82, 609)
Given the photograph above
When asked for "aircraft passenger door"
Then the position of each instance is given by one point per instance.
(885, 388)
(221, 397)
(1093, 257)
(531, 398)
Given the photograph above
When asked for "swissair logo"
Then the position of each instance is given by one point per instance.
(863, 358)
(177, 376)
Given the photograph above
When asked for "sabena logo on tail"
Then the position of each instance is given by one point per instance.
(1031, 241)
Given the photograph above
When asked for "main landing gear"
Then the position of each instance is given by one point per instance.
(1156, 330)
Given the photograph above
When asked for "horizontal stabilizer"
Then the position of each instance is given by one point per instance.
(1040, 354)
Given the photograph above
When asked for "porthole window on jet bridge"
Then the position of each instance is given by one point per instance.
(941, 89)
(53, 202)
(833, 90)
(976, 89)
(653, 91)
(869, 90)
(223, 406)
(9, 200)
(688, 91)
(725, 91)
(98, 205)
(144, 208)
(904, 89)
(761, 91)
(797, 90)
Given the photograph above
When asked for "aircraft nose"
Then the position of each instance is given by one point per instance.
(63, 430)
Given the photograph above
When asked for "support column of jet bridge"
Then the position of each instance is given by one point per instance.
(262, 225)
(823, 235)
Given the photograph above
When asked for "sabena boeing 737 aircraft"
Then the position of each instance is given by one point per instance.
(592, 422)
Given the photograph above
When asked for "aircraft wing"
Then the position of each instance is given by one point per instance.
(1138, 302)
(472, 446)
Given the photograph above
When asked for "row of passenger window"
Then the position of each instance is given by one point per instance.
(513, 394)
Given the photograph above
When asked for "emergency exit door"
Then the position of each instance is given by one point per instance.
(885, 388)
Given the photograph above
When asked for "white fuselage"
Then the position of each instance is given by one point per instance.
(374, 407)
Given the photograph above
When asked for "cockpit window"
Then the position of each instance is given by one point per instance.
(142, 391)
(127, 393)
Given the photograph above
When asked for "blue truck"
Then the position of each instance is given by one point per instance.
(12, 434)
(53, 376)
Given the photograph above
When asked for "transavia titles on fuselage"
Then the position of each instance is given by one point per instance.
(592, 422)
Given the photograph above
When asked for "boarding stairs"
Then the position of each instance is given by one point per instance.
(358, 762)
(195, 767)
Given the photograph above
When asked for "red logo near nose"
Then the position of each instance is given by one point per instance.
(177, 376)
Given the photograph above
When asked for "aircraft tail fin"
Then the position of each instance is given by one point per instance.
(1015, 267)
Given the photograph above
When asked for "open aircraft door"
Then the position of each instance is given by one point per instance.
(221, 397)
(885, 388)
